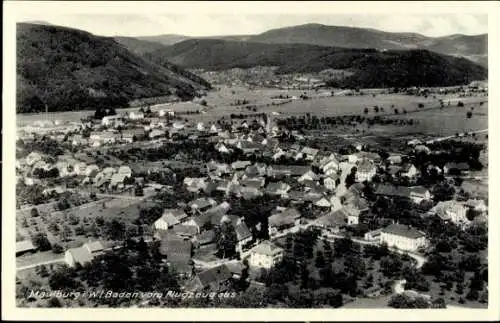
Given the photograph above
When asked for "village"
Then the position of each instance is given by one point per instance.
(221, 199)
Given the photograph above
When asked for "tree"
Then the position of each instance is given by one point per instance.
(138, 191)
(41, 241)
(54, 302)
(403, 301)
(420, 105)
(443, 192)
(42, 271)
(34, 212)
(365, 111)
(320, 260)
(225, 237)
(460, 104)
(66, 233)
(57, 248)
(469, 114)
(115, 230)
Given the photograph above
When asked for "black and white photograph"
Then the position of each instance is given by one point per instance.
(239, 159)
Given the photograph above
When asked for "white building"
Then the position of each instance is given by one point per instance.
(265, 255)
(403, 237)
(365, 171)
(136, 115)
(452, 211)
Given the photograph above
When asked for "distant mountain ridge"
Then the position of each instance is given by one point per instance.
(473, 47)
(367, 67)
(69, 69)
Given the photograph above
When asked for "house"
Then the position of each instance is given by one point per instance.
(333, 221)
(310, 175)
(277, 188)
(79, 168)
(352, 215)
(323, 202)
(185, 231)
(24, 246)
(395, 159)
(136, 115)
(169, 218)
(125, 170)
(409, 170)
(195, 184)
(329, 165)
(205, 238)
(422, 149)
(330, 182)
(265, 255)
(452, 211)
(32, 158)
(476, 205)
(243, 235)
(220, 147)
(78, 140)
(112, 121)
(335, 203)
(156, 133)
(202, 204)
(132, 135)
(255, 170)
(287, 170)
(215, 279)
(236, 268)
(365, 171)
(78, 256)
(373, 235)
(403, 237)
(255, 182)
(283, 220)
(456, 168)
(117, 180)
(163, 113)
(198, 222)
(94, 247)
(91, 171)
(415, 193)
(240, 165)
(308, 153)
(414, 142)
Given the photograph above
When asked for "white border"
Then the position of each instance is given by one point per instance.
(11, 9)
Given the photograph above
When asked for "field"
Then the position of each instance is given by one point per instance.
(220, 103)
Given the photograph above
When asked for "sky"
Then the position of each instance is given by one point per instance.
(201, 22)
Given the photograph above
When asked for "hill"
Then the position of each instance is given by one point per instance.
(138, 46)
(473, 47)
(166, 40)
(68, 69)
(351, 37)
(370, 67)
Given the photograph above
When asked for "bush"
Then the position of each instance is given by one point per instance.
(57, 249)
(41, 242)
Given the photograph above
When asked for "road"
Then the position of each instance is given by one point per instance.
(54, 261)
(450, 137)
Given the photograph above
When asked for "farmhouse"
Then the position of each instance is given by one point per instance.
(169, 218)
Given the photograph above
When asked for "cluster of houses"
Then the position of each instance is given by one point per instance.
(317, 179)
